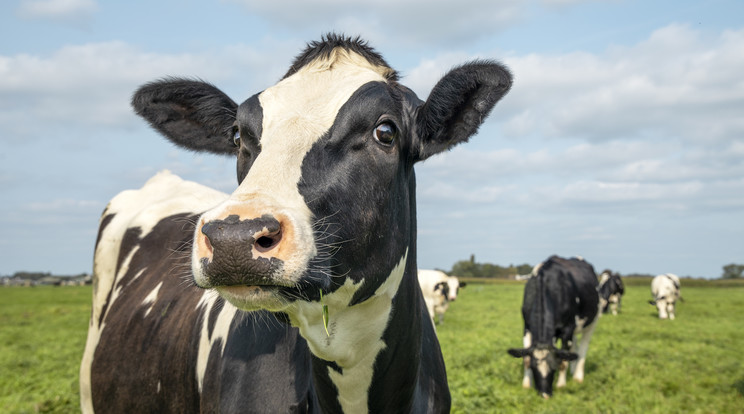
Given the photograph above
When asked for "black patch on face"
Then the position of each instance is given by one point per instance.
(249, 124)
(359, 191)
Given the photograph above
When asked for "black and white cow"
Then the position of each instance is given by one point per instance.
(439, 290)
(560, 302)
(611, 290)
(317, 243)
(666, 291)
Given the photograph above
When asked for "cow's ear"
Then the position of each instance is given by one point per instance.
(192, 114)
(566, 355)
(457, 106)
(519, 353)
(463, 284)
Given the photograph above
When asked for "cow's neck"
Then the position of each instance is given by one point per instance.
(350, 361)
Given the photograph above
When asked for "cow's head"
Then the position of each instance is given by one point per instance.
(543, 361)
(325, 158)
(454, 284)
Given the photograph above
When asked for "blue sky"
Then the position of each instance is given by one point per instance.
(622, 139)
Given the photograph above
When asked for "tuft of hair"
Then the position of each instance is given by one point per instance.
(323, 49)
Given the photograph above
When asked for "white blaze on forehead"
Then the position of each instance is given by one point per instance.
(541, 355)
(296, 112)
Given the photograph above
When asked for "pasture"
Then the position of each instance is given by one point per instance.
(636, 363)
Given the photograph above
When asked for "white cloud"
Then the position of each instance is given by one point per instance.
(91, 85)
(74, 11)
(676, 84)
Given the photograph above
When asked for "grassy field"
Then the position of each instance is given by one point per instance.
(42, 337)
(636, 363)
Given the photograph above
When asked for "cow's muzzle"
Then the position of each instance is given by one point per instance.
(243, 252)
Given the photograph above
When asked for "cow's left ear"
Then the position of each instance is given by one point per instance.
(457, 106)
(519, 353)
(566, 355)
(192, 114)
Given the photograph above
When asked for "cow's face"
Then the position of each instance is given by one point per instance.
(325, 165)
(453, 287)
(543, 361)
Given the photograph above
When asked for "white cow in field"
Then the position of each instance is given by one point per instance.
(665, 290)
(439, 290)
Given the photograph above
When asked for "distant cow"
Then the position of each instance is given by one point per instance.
(666, 291)
(560, 302)
(439, 290)
(611, 290)
(298, 291)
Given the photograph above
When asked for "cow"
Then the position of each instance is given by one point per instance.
(297, 292)
(560, 302)
(666, 291)
(611, 290)
(439, 290)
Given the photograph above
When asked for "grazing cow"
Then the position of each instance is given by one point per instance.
(439, 290)
(665, 290)
(317, 243)
(611, 290)
(560, 302)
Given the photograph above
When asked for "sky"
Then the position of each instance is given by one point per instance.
(621, 141)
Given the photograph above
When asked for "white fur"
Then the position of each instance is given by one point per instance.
(355, 337)
(526, 344)
(151, 298)
(220, 331)
(581, 347)
(436, 303)
(665, 294)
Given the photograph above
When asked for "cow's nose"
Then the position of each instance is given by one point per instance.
(232, 238)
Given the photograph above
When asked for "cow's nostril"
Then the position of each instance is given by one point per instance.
(266, 243)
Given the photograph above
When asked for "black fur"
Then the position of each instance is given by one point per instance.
(190, 113)
(458, 104)
(561, 291)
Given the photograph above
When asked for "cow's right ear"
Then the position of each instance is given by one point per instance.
(652, 302)
(192, 114)
(519, 353)
(457, 106)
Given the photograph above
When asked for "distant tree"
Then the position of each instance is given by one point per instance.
(733, 271)
(471, 268)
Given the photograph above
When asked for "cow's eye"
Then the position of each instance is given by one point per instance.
(385, 133)
(236, 137)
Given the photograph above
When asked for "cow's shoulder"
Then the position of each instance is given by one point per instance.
(166, 204)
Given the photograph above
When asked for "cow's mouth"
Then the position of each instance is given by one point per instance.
(272, 296)
(254, 297)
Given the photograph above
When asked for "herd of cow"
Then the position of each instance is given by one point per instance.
(300, 291)
(563, 299)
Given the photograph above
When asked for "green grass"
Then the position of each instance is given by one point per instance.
(636, 363)
(42, 337)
